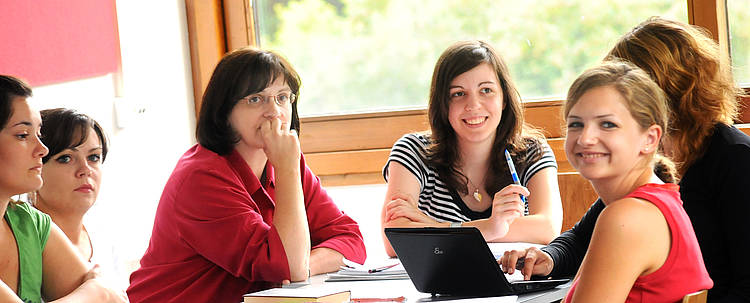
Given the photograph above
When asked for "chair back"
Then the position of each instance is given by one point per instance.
(696, 297)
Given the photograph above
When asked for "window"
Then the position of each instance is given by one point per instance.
(738, 13)
(377, 54)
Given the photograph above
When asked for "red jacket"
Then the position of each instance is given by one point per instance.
(213, 238)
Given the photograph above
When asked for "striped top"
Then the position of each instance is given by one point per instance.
(445, 204)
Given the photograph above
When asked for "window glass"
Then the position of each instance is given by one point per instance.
(365, 55)
(738, 12)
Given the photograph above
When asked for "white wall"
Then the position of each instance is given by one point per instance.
(363, 203)
(156, 78)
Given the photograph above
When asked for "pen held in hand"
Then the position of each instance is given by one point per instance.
(513, 173)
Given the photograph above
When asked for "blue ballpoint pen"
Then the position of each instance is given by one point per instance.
(513, 172)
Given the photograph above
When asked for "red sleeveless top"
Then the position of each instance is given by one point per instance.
(683, 272)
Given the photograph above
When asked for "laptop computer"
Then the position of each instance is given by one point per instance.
(456, 261)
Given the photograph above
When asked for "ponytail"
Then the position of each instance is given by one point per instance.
(665, 169)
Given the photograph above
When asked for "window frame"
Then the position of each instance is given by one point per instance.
(216, 26)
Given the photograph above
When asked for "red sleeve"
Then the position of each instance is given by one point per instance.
(216, 216)
(329, 226)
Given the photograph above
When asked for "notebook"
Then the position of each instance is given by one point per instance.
(455, 261)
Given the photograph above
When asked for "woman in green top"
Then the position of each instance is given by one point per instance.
(47, 266)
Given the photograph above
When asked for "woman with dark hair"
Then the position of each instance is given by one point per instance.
(241, 211)
(48, 267)
(77, 147)
(712, 157)
(458, 174)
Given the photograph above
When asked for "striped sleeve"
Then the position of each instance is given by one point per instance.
(409, 151)
(547, 160)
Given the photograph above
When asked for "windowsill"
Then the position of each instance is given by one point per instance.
(404, 111)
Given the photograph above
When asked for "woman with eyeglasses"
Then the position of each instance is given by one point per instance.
(241, 211)
(37, 262)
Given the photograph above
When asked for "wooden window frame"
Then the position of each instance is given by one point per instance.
(349, 149)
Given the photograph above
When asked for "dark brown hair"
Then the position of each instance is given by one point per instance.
(64, 128)
(443, 153)
(240, 73)
(686, 63)
(10, 87)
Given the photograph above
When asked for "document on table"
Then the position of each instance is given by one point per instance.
(389, 270)
(504, 299)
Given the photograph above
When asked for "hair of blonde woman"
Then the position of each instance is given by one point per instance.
(643, 98)
(686, 63)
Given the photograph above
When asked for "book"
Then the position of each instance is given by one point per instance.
(299, 295)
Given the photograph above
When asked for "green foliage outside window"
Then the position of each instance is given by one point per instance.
(364, 55)
(739, 35)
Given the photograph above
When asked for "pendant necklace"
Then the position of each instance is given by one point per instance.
(477, 196)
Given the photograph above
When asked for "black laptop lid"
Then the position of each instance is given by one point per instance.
(455, 261)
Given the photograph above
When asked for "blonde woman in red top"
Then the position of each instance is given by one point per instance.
(643, 248)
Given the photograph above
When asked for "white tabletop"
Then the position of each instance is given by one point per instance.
(388, 289)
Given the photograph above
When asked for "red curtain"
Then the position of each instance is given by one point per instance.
(52, 41)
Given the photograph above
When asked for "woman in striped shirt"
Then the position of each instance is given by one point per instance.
(457, 173)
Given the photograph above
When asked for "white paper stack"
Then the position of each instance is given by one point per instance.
(355, 272)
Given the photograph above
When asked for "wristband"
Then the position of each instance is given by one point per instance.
(456, 224)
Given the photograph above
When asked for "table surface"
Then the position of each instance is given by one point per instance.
(397, 288)
(386, 289)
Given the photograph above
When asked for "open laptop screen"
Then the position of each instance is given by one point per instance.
(455, 261)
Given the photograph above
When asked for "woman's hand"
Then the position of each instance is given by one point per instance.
(402, 206)
(93, 273)
(113, 294)
(506, 207)
(535, 262)
(280, 144)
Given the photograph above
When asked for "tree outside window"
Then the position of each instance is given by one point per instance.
(365, 55)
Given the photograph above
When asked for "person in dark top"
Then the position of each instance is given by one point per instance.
(713, 157)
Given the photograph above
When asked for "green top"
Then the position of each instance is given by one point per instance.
(31, 229)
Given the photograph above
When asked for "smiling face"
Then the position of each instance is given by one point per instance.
(476, 105)
(246, 117)
(21, 150)
(72, 177)
(603, 139)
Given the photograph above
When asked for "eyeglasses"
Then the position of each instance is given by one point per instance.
(282, 99)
